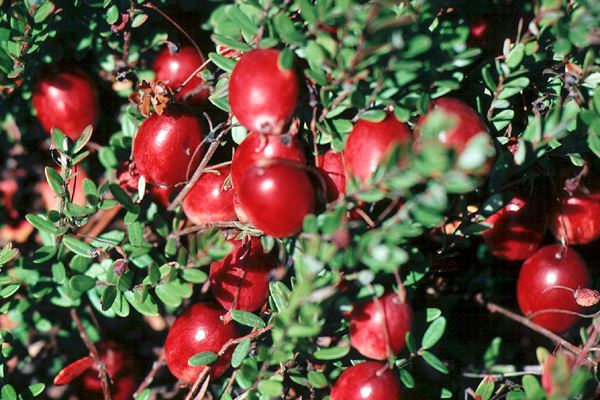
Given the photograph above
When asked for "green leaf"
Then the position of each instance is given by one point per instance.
(59, 274)
(248, 27)
(122, 197)
(515, 56)
(82, 283)
(373, 115)
(145, 306)
(230, 43)
(204, 358)
(434, 333)
(317, 379)
(286, 29)
(226, 64)
(42, 224)
(485, 389)
(240, 353)
(248, 319)
(36, 389)
(139, 20)
(108, 297)
(112, 14)
(332, 353)
(7, 254)
(434, 362)
(83, 140)
(54, 179)
(286, 59)
(407, 379)
(79, 247)
(270, 388)
(43, 12)
(193, 275)
(533, 389)
(8, 393)
(9, 290)
(136, 237)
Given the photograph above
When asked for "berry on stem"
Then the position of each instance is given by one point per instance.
(198, 329)
(67, 100)
(369, 380)
(167, 147)
(211, 198)
(241, 280)
(577, 216)
(262, 93)
(379, 321)
(542, 282)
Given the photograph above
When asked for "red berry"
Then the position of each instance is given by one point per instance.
(277, 197)
(256, 147)
(577, 216)
(262, 94)
(175, 68)
(369, 323)
(211, 198)
(67, 101)
(369, 142)
(121, 368)
(166, 149)
(199, 329)
(243, 272)
(518, 229)
(369, 380)
(161, 195)
(331, 165)
(541, 285)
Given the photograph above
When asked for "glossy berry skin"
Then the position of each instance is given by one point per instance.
(468, 123)
(276, 198)
(537, 286)
(161, 195)
(362, 382)
(121, 368)
(67, 100)
(245, 271)
(369, 143)
(331, 166)
(199, 329)
(580, 221)
(257, 147)
(166, 147)
(369, 322)
(175, 68)
(262, 94)
(518, 229)
(211, 198)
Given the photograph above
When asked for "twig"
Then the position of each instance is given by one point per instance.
(105, 218)
(203, 228)
(156, 366)
(494, 308)
(94, 353)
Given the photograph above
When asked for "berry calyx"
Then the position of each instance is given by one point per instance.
(369, 142)
(369, 380)
(276, 197)
(198, 329)
(542, 282)
(241, 280)
(67, 100)
(167, 147)
(262, 93)
(211, 198)
(258, 147)
(175, 68)
(379, 323)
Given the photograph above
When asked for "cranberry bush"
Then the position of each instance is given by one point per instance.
(299, 199)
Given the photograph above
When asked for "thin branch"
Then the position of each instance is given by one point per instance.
(204, 228)
(156, 366)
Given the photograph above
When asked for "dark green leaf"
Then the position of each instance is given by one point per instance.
(226, 64)
(332, 353)
(247, 318)
(82, 283)
(79, 247)
(108, 297)
(270, 388)
(434, 333)
(135, 233)
(434, 362)
(240, 353)
(204, 358)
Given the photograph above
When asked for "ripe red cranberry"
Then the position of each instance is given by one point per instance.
(518, 229)
(369, 380)
(50, 198)
(175, 68)
(67, 100)
(242, 273)
(331, 165)
(198, 329)
(211, 199)
(277, 197)
(256, 147)
(120, 366)
(166, 148)
(369, 142)
(369, 323)
(538, 286)
(577, 216)
(161, 195)
(262, 94)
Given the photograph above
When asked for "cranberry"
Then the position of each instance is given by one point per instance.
(577, 217)
(369, 380)
(518, 229)
(175, 68)
(262, 94)
(161, 195)
(50, 198)
(277, 197)
(198, 329)
(539, 286)
(489, 31)
(121, 368)
(242, 273)
(211, 198)
(369, 323)
(256, 147)
(67, 100)
(167, 147)
(331, 165)
(369, 142)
